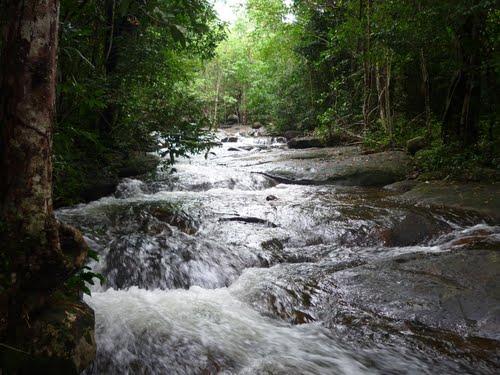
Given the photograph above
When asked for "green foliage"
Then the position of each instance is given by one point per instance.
(126, 69)
(384, 71)
(78, 282)
(256, 73)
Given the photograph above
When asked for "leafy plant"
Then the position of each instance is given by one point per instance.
(79, 282)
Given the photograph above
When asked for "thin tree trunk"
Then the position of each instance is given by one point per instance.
(426, 89)
(463, 105)
(380, 92)
(387, 95)
(367, 69)
(383, 76)
(216, 106)
(114, 28)
(425, 83)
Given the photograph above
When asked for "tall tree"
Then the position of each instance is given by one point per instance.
(32, 258)
(463, 105)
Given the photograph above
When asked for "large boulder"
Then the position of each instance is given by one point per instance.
(341, 166)
(416, 144)
(290, 134)
(305, 142)
(483, 199)
(232, 119)
(455, 292)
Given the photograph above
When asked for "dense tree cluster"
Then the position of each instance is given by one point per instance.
(383, 71)
(124, 71)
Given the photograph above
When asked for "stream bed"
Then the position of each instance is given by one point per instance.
(220, 268)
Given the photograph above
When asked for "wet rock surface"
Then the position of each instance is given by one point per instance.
(342, 166)
(453, 291)
(480, 198)
(280, 261)
(413, 229)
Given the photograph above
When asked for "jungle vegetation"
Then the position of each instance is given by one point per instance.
(89, 89)
(380, 72)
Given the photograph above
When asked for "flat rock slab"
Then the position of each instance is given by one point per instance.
(483, 199)
(341, 166)
(454, 291)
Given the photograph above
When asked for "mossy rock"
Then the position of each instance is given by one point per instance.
(483, 199)
(60, 340)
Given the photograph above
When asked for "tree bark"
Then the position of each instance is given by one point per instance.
(32, 257)
(26, 113)
(426, 91)
(463, 104)
(383, 77)
(216, 104)
(114, 26)
(367, 68)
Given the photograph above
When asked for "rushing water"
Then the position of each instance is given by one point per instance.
(216, 269)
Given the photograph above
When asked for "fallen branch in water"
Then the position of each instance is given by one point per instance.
(249, 219)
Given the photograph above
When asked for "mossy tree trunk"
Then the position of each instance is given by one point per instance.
(33, 263)
(27, 113)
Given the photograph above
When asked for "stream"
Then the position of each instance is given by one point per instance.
(217, 268)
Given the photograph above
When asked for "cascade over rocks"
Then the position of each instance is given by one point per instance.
(310, 259)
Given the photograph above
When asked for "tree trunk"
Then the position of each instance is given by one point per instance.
(388, 104)
(383, 74)
(114, 28)
(216, 104)
(461, 117)
(30, 236)
(367, 68)
(426, 91)
(380, 91)
(27, 112)
(425, 83)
